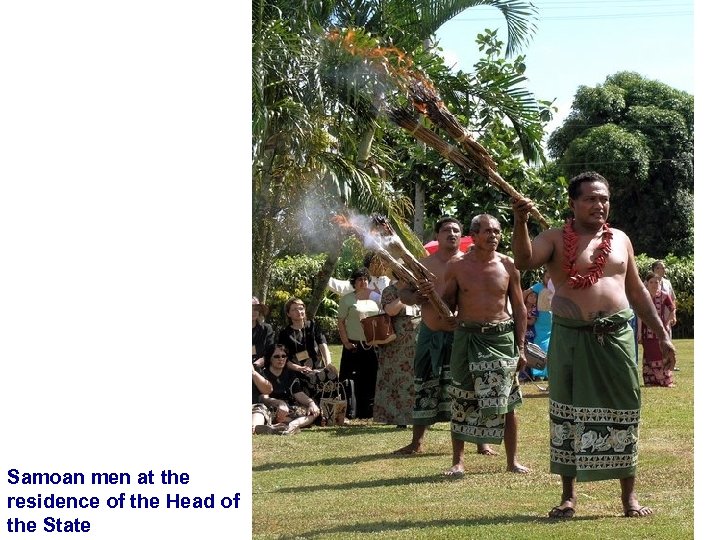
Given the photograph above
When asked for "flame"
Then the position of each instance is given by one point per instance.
(362, 227)
(390, 60)
(341, 220)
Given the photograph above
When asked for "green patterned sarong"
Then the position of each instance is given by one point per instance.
(594, 398)
(484, 385)
(432, 376)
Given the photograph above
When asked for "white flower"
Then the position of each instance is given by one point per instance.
(587, 440)
(557, 434)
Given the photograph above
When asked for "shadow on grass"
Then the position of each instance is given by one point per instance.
(387, 526)
(349, 460)
(380, 482)
(531, 396)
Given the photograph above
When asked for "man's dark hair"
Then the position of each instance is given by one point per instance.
(446, 219)
(576, 182)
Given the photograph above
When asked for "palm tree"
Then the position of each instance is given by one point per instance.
(410, 25)
(314, 136)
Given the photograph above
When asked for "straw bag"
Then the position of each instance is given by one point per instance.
(333, 403)
(535, 356)
(378, 329)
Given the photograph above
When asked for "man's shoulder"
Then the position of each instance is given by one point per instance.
(436, 260)
(505, 258)
(551, 233)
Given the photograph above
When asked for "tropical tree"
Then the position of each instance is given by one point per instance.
(411, 25)
(493, 104)
(639, 134)
(313, 131)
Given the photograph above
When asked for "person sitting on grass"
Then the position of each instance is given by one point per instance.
(260, 412)
(308, 352)
(291, 409)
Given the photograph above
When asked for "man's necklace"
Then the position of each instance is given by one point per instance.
(595, 271)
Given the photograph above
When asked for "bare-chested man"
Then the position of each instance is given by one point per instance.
(488, 347)
(594, 383)
(434, 343)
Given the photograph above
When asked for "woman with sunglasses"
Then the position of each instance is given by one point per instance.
(290, 407)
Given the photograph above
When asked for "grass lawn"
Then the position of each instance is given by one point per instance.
(344, 483)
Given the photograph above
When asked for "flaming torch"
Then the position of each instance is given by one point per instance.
(375, 240)
(396, 67)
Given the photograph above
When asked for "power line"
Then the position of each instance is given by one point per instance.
(575, 3)
(589, 17)
(621, 162)
(594, 4)
(558, 10)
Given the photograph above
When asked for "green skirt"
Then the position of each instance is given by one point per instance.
(484, 385)
(432, 376)
(594, 398)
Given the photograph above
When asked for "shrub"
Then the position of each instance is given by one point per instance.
(292, 276)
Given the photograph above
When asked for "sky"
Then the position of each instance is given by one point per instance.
(582, 42)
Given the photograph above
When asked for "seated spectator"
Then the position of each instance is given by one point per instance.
(260, 412)
(263, 335)
(290, 407)
(308, 351)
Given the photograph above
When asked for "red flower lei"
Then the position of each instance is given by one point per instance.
(595, 272)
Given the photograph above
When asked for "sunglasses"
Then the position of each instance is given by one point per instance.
(279, 355)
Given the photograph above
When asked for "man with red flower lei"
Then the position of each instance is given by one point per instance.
(594, 383)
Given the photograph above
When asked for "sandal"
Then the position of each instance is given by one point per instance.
(558, 512)
(640, 511)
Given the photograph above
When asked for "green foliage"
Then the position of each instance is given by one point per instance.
(610, 144)
(294, 276)
(406, 23)
(351, 258)
(328, 325)
(639, 134)
(492, 104)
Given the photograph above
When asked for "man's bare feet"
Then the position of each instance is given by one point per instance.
(455, 471)
(486, 450)
(410, 449)
(517, 468)
(564, 510)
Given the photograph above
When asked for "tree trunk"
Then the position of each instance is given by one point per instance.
(365, 146)
(419, 216)
(334, 249)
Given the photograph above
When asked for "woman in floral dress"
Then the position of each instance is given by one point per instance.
(654, 373)
(394, 391)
